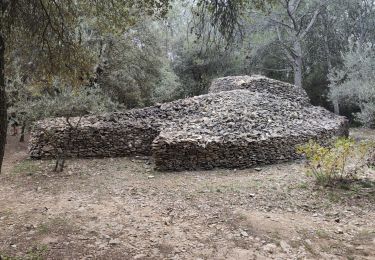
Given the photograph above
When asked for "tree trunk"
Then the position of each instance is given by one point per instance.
(3, 103)
(336, 106)
(298, 72)
(297, 66)
(23, 128)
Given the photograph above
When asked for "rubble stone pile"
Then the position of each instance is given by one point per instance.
(243, 121)
(261, 84)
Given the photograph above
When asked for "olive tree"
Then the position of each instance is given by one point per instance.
(354, 83)
(46, 35)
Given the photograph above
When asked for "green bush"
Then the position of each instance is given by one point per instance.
(339, 162)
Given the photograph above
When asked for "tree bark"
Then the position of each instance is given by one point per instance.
(3, 102)
(297, 66)
(335, 102)
(23, 128)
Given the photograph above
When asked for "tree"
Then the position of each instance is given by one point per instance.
(134, 69)
(292, 25)
(46, 35)
(305, 37)
(69, 103)
(197, 52)
(351, 19)
(291, 20)
(354, 83)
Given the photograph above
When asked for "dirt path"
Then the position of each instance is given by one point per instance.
(15, 152)
(121, 209)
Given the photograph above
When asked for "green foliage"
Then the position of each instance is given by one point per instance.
(136, 71)
(197, 63)
(168, 87)
(30, 104)
(64, 100)
(225, 15)
(196, 68)
(47, 36)
(354, 83)
(37, 252)
(197, 54)
(144, 60)
(255, 27)
(342, 161)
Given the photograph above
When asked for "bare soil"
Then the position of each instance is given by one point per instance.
(121, 209)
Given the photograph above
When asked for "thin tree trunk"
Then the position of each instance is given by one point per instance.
(3, 103)
(23, 128)
(335, 102)
(297, 66)
(298, 72)
(336, 106)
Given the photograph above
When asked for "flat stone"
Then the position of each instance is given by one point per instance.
(114, 242)
(285, 246)
(140, 256)
(270, 248)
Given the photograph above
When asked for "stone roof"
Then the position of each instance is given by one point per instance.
(260, 84)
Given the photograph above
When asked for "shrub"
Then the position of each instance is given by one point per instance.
(339, 162)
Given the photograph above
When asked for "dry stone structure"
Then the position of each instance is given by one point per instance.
(261, 84)
(243, 121)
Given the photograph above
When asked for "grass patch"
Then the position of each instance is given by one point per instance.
(6, 257)
(34, 253)
(365, 235)
(322, 234)
(299, 186)
(43, 228)
(276, 237)
(37, 252)
(303, 186)
(309, 248)
(231, 187)
(357, 189)
(27, 167)
(56, 225)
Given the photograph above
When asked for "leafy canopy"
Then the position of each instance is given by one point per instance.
(46, 35)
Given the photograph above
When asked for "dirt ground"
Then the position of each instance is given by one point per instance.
(121, 209)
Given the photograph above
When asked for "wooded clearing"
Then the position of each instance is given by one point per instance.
(121, 209)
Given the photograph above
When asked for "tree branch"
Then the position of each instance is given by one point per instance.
(284, 46)
(291, 15)
(311, 23)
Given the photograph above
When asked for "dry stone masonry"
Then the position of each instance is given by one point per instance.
(243, 121)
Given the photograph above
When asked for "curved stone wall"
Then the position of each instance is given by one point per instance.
(244, 121)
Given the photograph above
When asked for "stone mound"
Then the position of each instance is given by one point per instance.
(243, 121)
(261, 84)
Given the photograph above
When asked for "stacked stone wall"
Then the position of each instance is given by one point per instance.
(188, 154)
(243, 121)
(108, 139)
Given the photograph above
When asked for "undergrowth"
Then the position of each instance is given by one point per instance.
(340, 162)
